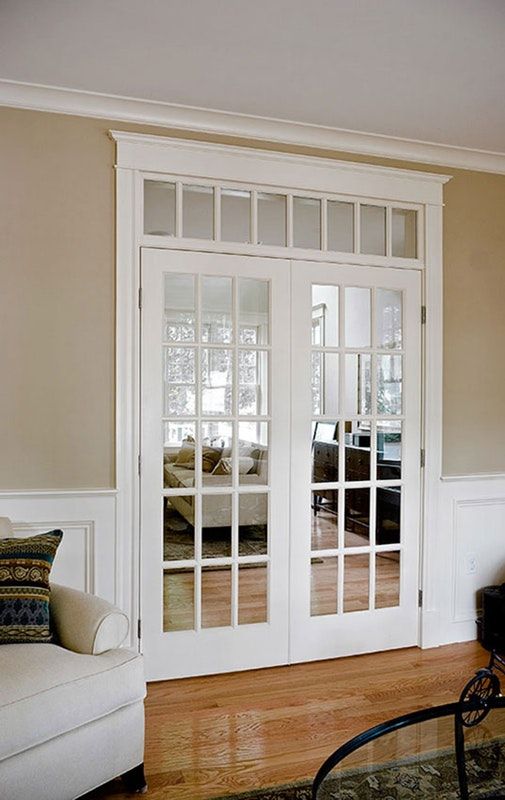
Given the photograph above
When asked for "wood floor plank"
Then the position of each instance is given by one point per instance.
(222, 734)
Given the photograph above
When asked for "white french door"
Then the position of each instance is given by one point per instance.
(215, 462)
(355, 492)
(280, 442)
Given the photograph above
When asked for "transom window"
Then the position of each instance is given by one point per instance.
(276, 218)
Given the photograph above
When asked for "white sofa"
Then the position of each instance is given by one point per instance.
(215, 512)
(72, 713)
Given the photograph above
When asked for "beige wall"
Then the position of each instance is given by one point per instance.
(57, 306)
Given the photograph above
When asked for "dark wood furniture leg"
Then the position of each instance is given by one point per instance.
(135, 780)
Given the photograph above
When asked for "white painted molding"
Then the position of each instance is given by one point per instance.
(6, 493)
(77, 563)
(190, 158)
(478, 476)
(88, 556)
(201, 120)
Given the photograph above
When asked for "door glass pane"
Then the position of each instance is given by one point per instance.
(178, 453)
(340, 226)
(389, 318)
(325, 316)
(356, 582)
(388, 515)
(198, 212)
(404, 232)
(357, 452)
(217, 453)
(307, 222)
(217, 369)
(323, 586)
(324, 452)
(253, 524)
(358, 383)
(373, 230)
(253, 382)
(216, 526)
(179, 323)
(217, 323)
(179, 381)
(389, 450)
(253, 453)
(235, 215)
(357, 317)
(324, 534)
(252, 593)
(357, 517)
(179, 528)
(325, 383)
(178, 599)
(387, 580)
(159, 208)
(216, 596)
(389, 385)
(272, 219)
(253, 311)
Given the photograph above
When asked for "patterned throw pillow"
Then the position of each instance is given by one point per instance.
(25, 565)
(186, 455)
(210, 457)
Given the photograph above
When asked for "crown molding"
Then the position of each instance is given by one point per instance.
(59, 100)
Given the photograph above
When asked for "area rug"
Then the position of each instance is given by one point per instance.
(216, 542)
(426, 777)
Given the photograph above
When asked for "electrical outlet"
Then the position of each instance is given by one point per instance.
(471, 564)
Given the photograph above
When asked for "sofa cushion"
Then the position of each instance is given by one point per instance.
(25, 565)
(46, 691)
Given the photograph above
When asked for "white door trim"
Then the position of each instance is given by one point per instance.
(137, 154)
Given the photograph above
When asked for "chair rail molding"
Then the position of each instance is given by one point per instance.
(76, 102)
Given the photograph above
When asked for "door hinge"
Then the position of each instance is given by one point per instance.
(420, 598)
(423, 457)
(139, 465)
(139, 628)
(140, 297)
(423, 315)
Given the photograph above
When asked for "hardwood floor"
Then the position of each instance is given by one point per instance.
(212, 736)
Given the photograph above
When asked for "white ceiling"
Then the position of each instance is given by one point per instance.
(431, 70)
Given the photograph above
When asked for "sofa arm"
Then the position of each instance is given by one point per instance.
(85, 623)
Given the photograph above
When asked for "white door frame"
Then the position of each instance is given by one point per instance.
(140, 156)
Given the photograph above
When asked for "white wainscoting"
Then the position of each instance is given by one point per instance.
(471, 555)
(87, 557)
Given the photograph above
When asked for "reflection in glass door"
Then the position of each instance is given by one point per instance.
(355, 481)
(214, 483)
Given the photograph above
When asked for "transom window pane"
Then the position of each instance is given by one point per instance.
(272, 219)
(198, 212)
(340, 226)
(373, 230)
(235, 215)
(307, 222)
(404, 233)
(159, 208)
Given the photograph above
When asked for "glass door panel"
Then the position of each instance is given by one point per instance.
(355, 477)
(215, 387)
